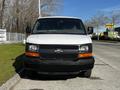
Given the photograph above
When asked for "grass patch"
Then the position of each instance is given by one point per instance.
(8, 53)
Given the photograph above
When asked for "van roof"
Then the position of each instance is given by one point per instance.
(58, 17)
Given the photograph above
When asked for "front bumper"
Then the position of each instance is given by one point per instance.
(58, 66)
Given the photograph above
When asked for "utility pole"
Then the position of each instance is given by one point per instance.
(97, 30)
(39, 8)
(98, 33)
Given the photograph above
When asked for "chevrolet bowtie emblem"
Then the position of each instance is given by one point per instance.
(58, 51)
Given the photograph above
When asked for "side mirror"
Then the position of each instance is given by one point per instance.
(90, 30)
(28, 30)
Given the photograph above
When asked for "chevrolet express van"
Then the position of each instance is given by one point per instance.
(59, 45)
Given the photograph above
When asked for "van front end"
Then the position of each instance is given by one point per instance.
(59, 45)
(59, 59)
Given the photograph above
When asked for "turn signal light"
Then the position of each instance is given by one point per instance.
(85, 55)
(32, 54)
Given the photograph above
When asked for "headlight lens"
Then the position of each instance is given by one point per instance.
(83, 49)
(33, 48)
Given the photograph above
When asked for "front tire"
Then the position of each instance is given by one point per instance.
(86, 74)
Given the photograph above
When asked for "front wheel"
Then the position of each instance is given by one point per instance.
(86, 74)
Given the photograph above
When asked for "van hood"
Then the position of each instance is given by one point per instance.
(60, 39)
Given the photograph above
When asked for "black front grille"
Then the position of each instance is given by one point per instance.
(58, 46)
(56, 52)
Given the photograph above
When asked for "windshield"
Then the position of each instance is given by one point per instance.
(59, 26)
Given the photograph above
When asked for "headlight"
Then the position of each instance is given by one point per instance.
(83, 49)
(33, 48)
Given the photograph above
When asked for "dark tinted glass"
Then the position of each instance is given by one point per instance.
(59, 25)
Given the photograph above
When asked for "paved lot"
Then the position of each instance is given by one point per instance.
(105, 76)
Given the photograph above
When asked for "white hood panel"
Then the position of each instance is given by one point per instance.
(63, 39)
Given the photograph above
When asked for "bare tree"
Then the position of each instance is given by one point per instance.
(115, 16)
(19, 14)
(2, 7)
(102, 18)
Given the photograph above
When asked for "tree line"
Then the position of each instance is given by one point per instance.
(16, 15)
(102, 18)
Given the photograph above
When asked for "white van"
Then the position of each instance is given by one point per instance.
(59, 45)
